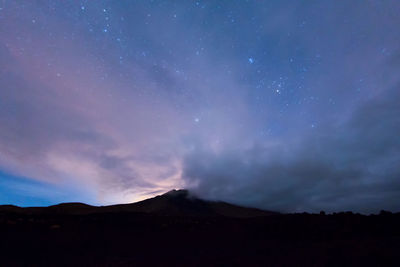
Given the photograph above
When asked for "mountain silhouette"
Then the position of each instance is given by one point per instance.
(180, 229)
(183, 203)
(173, 203)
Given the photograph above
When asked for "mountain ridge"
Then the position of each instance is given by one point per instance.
(172, 203)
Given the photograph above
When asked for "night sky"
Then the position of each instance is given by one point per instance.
(283, 105)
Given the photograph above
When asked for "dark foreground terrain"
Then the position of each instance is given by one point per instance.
(178, 230)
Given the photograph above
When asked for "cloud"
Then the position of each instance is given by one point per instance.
(68, 112)
(352, 166)
(167, 98)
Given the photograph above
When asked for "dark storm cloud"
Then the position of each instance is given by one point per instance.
(354, 166)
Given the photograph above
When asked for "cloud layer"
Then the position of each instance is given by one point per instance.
(282, 106)
(352, 166)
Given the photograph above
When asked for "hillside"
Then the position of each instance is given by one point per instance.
(172, 203)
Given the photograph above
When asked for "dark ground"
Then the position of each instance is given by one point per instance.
(148, 239)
